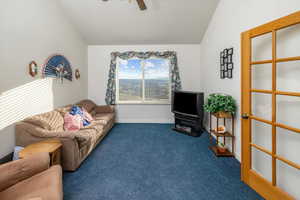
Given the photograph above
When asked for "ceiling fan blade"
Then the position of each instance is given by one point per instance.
(142, 4)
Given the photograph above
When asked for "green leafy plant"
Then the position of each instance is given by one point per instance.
(221, 147)
(220, 103)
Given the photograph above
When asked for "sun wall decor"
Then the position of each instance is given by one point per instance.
(58, 66)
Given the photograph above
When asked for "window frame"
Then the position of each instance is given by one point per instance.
(143, 101)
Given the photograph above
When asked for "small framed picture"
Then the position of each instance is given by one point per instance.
(230, 66)
(229, 58)
(230, 51)
(229, 74)
(222, 74)
(225, 53)
(226, 60)
(222, 54)
(222, 67)
(225, 74)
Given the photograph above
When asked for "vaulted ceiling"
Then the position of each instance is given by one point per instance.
(121, 22)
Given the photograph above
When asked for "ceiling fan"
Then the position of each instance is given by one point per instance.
(141, 4)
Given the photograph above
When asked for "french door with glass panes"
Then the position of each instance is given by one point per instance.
(271, 108)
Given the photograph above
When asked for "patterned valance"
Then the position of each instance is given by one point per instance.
(111, 85)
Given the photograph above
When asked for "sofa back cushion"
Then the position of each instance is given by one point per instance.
(52, 121)
(88, 105)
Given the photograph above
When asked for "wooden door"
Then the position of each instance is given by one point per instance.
(267, 187)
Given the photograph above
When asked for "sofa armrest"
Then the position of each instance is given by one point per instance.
(16, 171)
(42, 133)
(104, 109)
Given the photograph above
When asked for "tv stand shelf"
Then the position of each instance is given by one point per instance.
(181, 130)
(188, 125)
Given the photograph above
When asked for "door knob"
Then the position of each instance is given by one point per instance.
(245, 116)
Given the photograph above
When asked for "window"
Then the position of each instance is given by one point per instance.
(143, 81)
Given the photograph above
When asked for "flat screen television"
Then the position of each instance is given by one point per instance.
(188, 103)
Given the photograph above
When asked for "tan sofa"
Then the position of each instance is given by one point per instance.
(76, 145)
(31, 179)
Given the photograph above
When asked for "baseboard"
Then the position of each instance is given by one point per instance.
(6, 158)
(158, 121)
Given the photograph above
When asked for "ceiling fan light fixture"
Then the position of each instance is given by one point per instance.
(140, 3)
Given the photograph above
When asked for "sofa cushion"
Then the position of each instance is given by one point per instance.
(50, 121)
(88, 105)
(104, 118)
(88, 136)
(46, 185)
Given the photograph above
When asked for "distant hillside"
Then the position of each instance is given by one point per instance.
(155, 89)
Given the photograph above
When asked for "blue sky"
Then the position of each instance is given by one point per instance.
(154, 69)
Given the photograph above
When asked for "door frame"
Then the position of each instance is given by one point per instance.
(267, 189)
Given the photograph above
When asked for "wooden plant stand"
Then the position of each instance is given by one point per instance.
(227, 134)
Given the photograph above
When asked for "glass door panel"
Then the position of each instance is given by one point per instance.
(288, 145)
(262, 106)
(262, 76)
(288, 76)
(262, 163)
(288, 42)
(262, 134)
(262, 47)
(288, 179)
(288, 110)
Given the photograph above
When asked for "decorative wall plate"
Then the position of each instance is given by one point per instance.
(58, 66)
(77, 74)
(33, 68)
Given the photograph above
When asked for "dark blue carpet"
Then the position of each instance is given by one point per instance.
(152, 162)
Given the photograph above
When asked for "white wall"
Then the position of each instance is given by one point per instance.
(33, 30)
(99, 61)
(230, 19)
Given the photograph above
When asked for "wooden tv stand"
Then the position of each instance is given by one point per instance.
(192, 126)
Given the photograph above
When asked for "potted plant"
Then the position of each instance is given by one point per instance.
(221, 147)
(221, 105)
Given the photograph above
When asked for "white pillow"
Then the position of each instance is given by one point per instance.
(16, 152)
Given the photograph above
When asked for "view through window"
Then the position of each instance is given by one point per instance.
(143, 81)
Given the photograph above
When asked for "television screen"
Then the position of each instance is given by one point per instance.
(186, 103)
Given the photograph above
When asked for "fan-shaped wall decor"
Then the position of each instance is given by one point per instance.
(58, 66)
